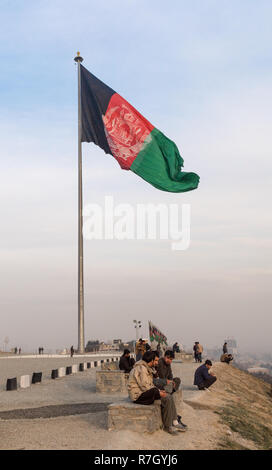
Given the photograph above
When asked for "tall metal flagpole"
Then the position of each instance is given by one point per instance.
(81, 341)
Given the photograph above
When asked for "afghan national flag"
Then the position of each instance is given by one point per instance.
(113, 124)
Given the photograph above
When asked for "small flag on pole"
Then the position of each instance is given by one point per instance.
(119, 129)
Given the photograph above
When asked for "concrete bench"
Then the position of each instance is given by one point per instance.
(111, 381)
(139, 418)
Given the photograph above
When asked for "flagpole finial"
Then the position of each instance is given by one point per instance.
(78, 58)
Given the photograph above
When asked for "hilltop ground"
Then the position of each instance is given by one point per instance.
(235, 414)
(243, 404)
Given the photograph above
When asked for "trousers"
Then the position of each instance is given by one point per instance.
(207, 383)
(168, 407)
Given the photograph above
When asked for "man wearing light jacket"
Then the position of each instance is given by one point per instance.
(142, 391)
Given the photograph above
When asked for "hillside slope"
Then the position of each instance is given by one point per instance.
(243, 403)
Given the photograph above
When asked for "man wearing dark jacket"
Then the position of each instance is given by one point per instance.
(165, 371)
(204, 379)
(126, 362)
(163, 379)
(176, 348)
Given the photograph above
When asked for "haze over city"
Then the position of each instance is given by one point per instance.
(203, 77)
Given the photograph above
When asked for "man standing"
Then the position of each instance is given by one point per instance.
(159, 350)
(203, 378)
(140, 349)
(225, 348)
(72, 351)
(199, 351)
(142, 391)
(195, 353)
(176, 348)
(126, 362)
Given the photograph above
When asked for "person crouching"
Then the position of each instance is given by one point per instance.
(226, 358)
(142, 391)
(204, 378)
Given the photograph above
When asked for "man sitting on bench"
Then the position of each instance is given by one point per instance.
(142, 391)
(126, 362)
(163, 377)
(165, 372)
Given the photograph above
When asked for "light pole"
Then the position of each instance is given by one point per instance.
(81, 339)
(138, 324)
(6, 341)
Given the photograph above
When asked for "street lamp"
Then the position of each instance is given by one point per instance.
(6, 341)
(138, 324)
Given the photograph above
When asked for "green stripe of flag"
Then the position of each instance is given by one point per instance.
(159, 162)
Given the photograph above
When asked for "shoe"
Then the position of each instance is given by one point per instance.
(180, 422)
(171, 430)
(179, 427)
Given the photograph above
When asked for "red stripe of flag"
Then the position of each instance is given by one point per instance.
(126, 130)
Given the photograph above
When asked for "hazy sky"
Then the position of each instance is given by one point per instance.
(201, 72)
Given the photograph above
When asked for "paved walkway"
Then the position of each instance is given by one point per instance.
(186, 371)
(15, 366)
(78, 389)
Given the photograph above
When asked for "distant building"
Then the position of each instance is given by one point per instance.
(128, 345)
(256, 370)
(116, 345)
(109, 347)
(117, 341)
(92, 346)
(105, 347)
